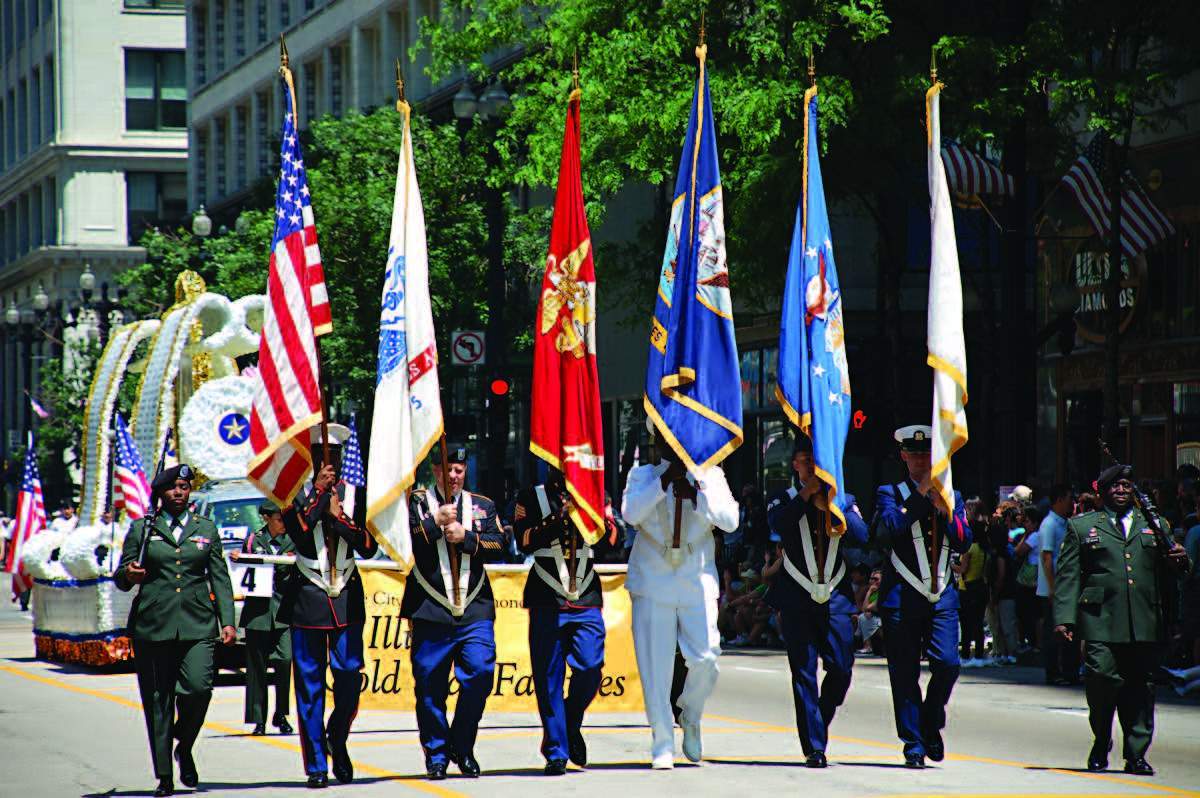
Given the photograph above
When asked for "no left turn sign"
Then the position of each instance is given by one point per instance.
(466, 348)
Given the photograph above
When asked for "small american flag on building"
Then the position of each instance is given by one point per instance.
(1142, 224)
(31, 519)
(972, 174)
(287, 395)
(131, 489)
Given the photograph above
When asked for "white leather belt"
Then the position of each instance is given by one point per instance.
(561, 583)
(924, 584)
(820, 591)
(330, 577)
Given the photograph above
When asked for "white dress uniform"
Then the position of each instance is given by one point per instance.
(675, 598)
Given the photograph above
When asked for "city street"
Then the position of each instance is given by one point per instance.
(70, 732)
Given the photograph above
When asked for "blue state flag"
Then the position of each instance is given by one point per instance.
(693, 384)
(813, 375)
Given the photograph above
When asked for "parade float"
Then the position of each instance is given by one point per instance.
(189, 385)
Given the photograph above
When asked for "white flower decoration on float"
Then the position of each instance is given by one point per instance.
(92, 551)
(214, 431)
(37, 554)
(98, 414)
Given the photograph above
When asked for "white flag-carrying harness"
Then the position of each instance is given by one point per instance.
(329, 575)
(408, 411)
(464, 565)
(820, 591)
(944, 337)
(561, 581)
(922, 584)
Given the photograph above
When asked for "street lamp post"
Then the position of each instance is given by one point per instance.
(491, 107)
(104, 305)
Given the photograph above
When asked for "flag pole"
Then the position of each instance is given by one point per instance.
(112, 495)
(572, 547)
(934, 551)
(826, 527)
(285, 72)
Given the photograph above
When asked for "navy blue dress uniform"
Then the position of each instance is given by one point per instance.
(446, 633)
(268, 642)
(322, 602)
(184, 601)
(918, 603)
(815, 607)
(566, 626)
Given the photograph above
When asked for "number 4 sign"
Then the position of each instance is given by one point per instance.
(252, 580)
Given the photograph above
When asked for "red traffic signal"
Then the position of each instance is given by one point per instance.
(860, 419)
(499, 387)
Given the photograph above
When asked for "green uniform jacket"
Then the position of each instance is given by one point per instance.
(258, 614)
(186, 594)
(1111, 589)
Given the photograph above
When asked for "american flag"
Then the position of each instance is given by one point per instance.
(973, 174)
(1142, 224)
(132, 490)
(41, 412)
(287, 395)
(31, 519)
(353, 473)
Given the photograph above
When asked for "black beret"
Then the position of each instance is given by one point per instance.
(1111, 474)
(455, 454)
(168, 476)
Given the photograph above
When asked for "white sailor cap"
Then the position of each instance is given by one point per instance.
(915, 437)
(338, 434)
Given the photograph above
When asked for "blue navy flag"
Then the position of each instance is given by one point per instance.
(693, 384)
(813, 382)
(352, 463)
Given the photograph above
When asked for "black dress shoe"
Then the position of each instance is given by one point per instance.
(165, 787)
(260, 729)
(187, 768)
(1138, 767)
(556, 767)
(343, 767)
(935, 749)
(283, 726)
(1098, 757)
(436, 772)
(577, 748)
(914, 761)
(468, 766)
(816, 760)
(318, 781)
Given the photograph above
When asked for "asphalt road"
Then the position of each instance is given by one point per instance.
(71, 732)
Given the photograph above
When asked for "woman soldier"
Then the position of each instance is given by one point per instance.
(185, 598)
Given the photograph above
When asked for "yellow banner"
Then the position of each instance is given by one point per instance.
(387, 676)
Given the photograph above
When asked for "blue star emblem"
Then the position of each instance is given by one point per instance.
(234, 429)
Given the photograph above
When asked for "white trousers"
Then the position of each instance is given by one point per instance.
(657, 628)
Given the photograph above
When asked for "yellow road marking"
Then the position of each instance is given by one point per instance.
(413, 782)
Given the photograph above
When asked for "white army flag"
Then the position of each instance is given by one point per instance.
(944, 338)
(408, 412)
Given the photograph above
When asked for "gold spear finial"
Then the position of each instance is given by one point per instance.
(933, 63)
(702, 48)
(702, 31)
(283, 53)
(812, 66)
(399, 81)
(575, 91)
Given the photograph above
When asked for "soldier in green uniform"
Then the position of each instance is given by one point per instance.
(1110, 585)
(184, 603)
(268, 642)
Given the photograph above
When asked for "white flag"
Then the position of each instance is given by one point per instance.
(408, 410)
(944, 338)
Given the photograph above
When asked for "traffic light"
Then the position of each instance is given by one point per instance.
(499, 387)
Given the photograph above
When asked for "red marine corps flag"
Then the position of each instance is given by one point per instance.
(566, 429)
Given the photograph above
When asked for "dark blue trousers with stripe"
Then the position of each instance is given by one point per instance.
(471, 649)
(558, 638)
(312, 649)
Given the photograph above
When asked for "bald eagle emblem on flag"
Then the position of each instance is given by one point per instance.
(567, 298)
(393, 345)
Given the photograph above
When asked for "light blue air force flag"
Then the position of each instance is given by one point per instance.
(814, 378)
(693, 384)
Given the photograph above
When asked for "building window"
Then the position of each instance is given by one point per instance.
(155, 3)
(35, 106)
(201, 167)
(155, 90)
(309, 5)
(33, 15)
(260, 13)
(20, 23)
(7, 10)
(261, 122)
(285, 13)
(241, 122)
(219, 34)
(11, 125)
(221, 145)
(36, 216)
(49, 112)
(50, 209)
(22, 118)
(335, 80)
(200, 22)
(310, 92)
(154, 199)
(239, 28)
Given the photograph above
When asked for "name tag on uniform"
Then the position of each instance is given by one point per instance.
(252, 580)
(201, 542)
(1093, 537)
